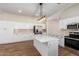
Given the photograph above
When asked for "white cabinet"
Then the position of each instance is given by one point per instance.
(77, 20)
(63, 23)
(46, 45)
(27, 25)
(61, 42)
(24, 26)
(6, 27)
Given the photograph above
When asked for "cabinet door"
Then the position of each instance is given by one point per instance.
(62, 24)
(6, 28)
(53, 48)
(61, 42)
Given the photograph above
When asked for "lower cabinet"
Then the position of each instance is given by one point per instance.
(72, 43)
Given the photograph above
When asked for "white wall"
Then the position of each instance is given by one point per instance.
(52, 27)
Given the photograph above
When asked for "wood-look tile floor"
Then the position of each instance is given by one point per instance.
(26, 48)
(66, 51)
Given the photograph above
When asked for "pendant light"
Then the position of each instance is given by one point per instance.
(42, 17)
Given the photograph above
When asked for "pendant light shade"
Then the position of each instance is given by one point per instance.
(42, 17)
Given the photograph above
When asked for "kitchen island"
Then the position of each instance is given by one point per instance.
(46, 45)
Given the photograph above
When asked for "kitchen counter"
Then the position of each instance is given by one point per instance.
(45, 38)
(46, 45)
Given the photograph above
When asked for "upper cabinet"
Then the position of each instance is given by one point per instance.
(62, 24)
(69, 23)
(27, 25)
(23, 26)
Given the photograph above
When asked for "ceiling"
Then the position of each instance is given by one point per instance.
(32, 9)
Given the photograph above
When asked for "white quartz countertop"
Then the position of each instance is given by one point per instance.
(45, 38)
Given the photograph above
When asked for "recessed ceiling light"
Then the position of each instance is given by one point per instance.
(20, 11)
